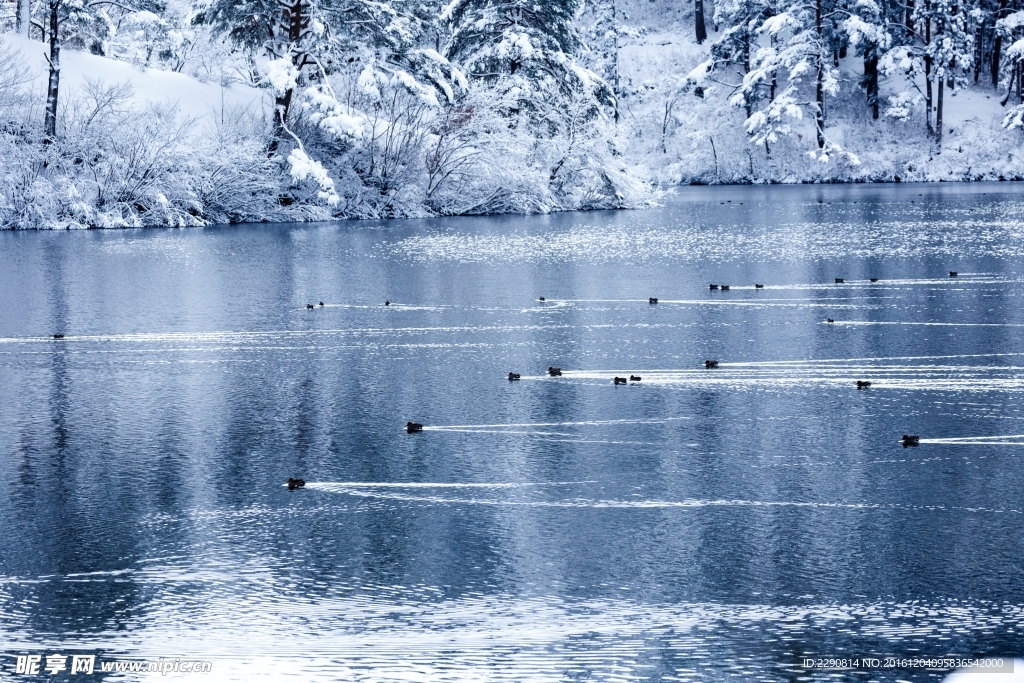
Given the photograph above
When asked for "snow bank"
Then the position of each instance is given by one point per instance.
(204, 102)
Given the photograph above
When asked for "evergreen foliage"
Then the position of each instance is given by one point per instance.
(526, 50)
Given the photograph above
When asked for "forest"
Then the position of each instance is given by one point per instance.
(367, 109)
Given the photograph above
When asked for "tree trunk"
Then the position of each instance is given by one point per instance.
(836, 51)
(1009, 90)
(775, 75)
(24, 19)
(615, 59)
(997, 46)
(979, 46)
(50, 115)
(664, 125)
(928, 77)
(295, 24)
(938, 113)
(714, 152)
(871, 79)
(909, 17)
(746, 65)
(867, 75)
(283, 104)
(819, 89)
(698, 15)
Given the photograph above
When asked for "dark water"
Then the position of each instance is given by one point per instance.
(698, 525)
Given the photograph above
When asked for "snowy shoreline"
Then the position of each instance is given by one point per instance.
(144, 142)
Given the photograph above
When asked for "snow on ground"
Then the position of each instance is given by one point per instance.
(197, 100)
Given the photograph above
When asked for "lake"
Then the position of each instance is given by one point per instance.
(701, 524)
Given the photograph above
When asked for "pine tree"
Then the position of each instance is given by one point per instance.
(526, 50)
(803, 42)
(910, 59)
(602, 44)
(738, 43)
(947, 45)
(307, 40)
(953, 51)
(866, 31)
(280, 30)
(997, 43)
(1011, 27)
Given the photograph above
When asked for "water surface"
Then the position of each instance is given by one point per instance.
(701, 524)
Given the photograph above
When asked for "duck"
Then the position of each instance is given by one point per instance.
(295, 483)
(840, 280)
(758, 286)
(725, 288)
(387, 302)
(713, 286)
(413, 427)
(542, 299)
(58, 336)
(910, 440)
(874, 279)
(952, 273)
(653, 300)
(555, 372)
(829, 320)
(634, 378)
(863, 384)
(620, 380)
(512, 376)
(321, 303)
(711, 364)
(309, 306)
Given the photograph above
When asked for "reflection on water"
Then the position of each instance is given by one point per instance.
(697, 524)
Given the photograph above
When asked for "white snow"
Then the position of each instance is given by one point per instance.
(281, 74)
(195, 100)
(303, 167)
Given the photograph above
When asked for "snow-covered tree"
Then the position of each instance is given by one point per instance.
(738, 43)
(994, 16)
(602, 44)
(797, 39)
(867, 32)
(951, 50)
(85, 24)
(160, 36)
(523, 49)
(1011, 27)
(364, 83)
(940, 48)
(281, 31)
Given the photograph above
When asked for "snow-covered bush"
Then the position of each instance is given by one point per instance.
(115, 164)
